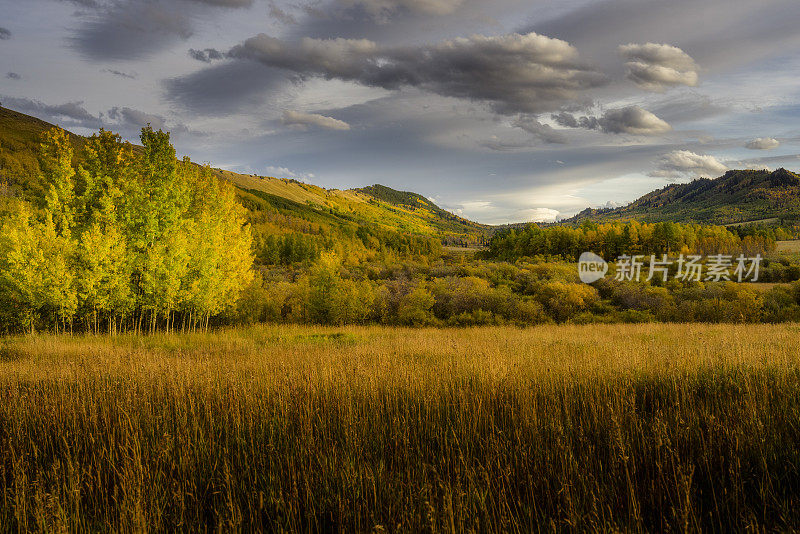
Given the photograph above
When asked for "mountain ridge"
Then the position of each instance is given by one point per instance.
(736, 197)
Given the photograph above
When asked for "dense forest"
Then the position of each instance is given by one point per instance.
(127, 240)
(611, 240)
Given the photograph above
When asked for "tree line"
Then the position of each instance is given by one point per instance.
(611, 240)
(456, 291)
(129, 239)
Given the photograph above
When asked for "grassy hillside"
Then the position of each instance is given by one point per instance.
(19, 144)
(735, 197)
(374, 206)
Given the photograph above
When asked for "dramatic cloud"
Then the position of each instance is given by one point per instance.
(657, 66)
(514, 73)
(630, 120)
(4, 34)
(545, 132)
(13, 76)
(382, 8)
(132, 30)
(763, 143)
(683, 163)
(136, 29)
(301, 120)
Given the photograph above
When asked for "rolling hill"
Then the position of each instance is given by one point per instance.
(738, 196)
(299, 204)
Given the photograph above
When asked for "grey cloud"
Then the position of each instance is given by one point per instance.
(383, 8)
(568, 120)
(85, 3)
(687, 107)
(301, 120)
(71, 111)
(5, 34)
(120, 74)
(218, 3)
(500, 145)
(224, 88)
(130, 121)
(545, 132)
(513, 73)
(13, 76)
(136, 29)
(131, 30)
(763, 143)
(719, 33)
(135, 118)
(682, 163)
(227, 3)
(630, 120)
(655, 66)
(206, 56)
(280, 15)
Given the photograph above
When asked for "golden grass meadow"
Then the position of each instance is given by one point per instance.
(373, 429)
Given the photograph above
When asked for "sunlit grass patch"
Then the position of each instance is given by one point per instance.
(287, 428)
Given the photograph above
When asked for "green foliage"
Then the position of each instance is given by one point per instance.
(415, 307)
(122, 237)
(333, 299)
(612, 240)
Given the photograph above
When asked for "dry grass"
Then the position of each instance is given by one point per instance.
(623, 427)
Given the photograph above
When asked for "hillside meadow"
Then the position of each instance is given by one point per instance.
(659, 427)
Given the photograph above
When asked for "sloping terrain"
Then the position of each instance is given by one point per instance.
(377, 206)
(736, 197)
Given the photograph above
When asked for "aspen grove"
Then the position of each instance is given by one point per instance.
(130, 238)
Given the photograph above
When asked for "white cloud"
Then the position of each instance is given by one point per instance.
(538, 215)
(763, 143)
(655, 66)
(301, 120)
(684, 163)
(283, 172)
(631, 120)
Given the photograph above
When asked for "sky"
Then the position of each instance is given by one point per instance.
(501, 111)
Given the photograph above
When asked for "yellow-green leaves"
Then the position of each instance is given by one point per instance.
(127, 238)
